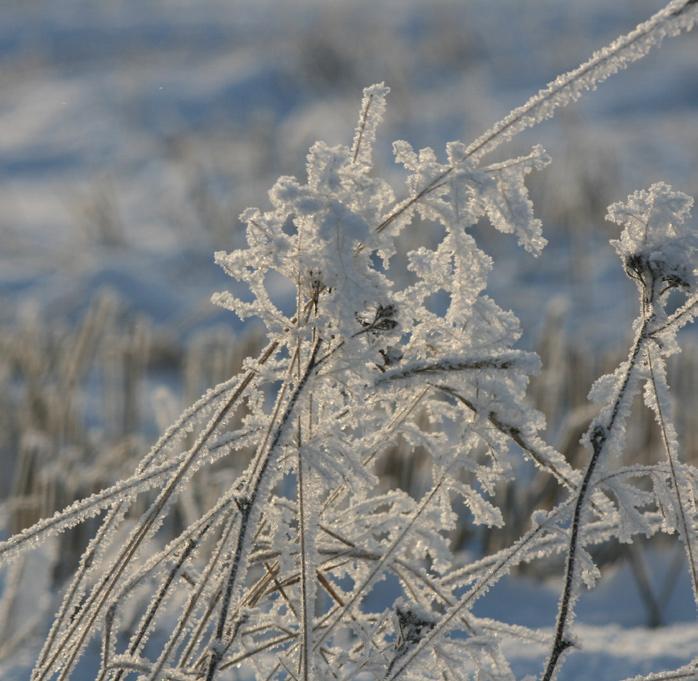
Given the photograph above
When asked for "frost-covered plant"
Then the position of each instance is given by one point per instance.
(658, 251)
(281, 576)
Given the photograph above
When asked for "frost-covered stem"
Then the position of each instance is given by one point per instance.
(566, 477)
(307, 543)
(598, 68)
(183, 539)
(371, 114)
(112, 576)
(135, 579)
(272, 571)
(485, 571)
(107, 647)
(564, 90)
(86, 561)
(689, 671)
(363, 117)
(505, 560)
(274, 642)
(560, 470)
(408, 203)
(682, 316)
(306, 571)
(196, 634)
(250, 507)
(193, 600)
(279, 640)
(43, 665)
(212, 564)
(282, 639)
(157, 601)
(83, 509)
(599, 438)
(238, 386)
(382, 439)
(288, 637)
(596, 533)
(445, 366)
(362, 589)
(256, 592)
(118, 510)
(685, 529)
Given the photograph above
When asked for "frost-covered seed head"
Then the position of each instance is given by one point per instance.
(656, 246)
(412, 626)
(382, 319)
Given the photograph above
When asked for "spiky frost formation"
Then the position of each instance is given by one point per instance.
(655, 242)
(275, 572)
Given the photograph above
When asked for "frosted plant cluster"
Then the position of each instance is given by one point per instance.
(284, 574)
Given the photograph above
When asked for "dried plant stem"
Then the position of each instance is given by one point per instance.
(389, 429)
(117, 512)
(69, 600)
(238, 386)
(560, 469)
(689, 671)
(246, 565)
(561, 92)
(156, 602)
(680, 317)
(306, 569)
(505, 560)
(363, 117)
(111, 496)
(405, 205)
(599, 438)
(111, 577)
(362, 589)
(446, 366)
(249, 508)
(685, 529)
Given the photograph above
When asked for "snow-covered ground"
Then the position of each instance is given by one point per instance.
(132, 135)
(613, 639)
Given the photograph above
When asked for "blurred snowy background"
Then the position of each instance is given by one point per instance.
(133, 134)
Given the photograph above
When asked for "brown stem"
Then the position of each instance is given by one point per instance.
(599, 438)
(248, 509)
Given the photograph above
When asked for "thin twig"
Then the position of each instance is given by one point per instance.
(673, 464)
(250, 509)
(599, 437)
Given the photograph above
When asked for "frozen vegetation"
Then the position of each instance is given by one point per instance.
(370, 491)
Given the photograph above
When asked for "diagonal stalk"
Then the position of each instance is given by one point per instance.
(672, 458)
(504, 562)
(566, 89)
(307, 549)
(101, 593)
(387, 555)
(599, 436)
(250, 510)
